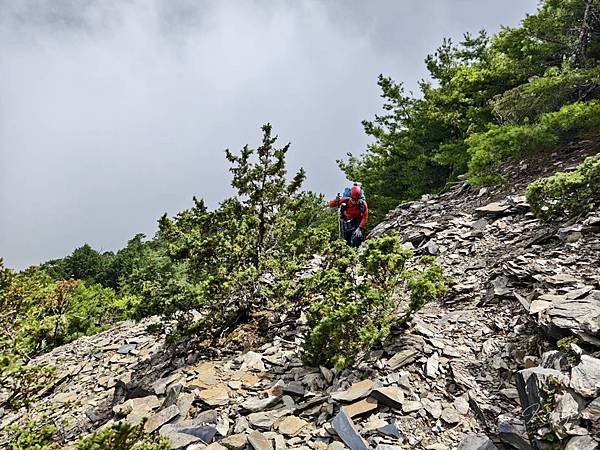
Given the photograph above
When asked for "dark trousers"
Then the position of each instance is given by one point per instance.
(348, 228)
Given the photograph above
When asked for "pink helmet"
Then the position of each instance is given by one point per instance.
(355, 192)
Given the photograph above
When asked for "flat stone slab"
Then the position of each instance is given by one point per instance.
(345, 429)
(355, 392)
(160, 418)
(360, 407)
(389, 396)
(258, 441)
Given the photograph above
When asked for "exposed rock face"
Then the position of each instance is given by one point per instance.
(447, 381)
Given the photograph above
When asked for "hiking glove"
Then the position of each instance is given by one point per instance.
(358, 234)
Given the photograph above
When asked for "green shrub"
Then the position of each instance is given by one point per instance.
(356, 299)
(507, 142)
(564, 195)
(31, 434)
(502, 143)
(123, 436)
(545, 94)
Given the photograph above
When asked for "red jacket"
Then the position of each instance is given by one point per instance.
(352, 209)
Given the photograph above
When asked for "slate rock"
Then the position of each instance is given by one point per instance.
(176, 438)
(355, 392)
(585, 376)
(409, 406)
(477, 442)
(512, 431)
(450, 415)
(235, 441)
(217, 396)
(126, 349)
(403, 358)
(252, 361)
(258, 441)
(390, 430)
(530, 384)
(159, 419)
(565, 415)
(389, 396)
(360, 407)
(592, 411)
(259, 404)
(582, 443)
(292, 425)
(346, 430)
(553, 359)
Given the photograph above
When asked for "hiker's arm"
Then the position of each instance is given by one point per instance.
(334, 203)
(365, 216)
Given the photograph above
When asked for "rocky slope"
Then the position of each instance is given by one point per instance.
(472, 372)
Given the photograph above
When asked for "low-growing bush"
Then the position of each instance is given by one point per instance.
(566, 194)
(507, 142)
(357, 298)
(30, 434)
(123, 436)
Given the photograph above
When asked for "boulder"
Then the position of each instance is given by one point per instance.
(585, 376)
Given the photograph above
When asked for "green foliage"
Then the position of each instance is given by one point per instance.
(236, 261)
(123, 436)
(566, 194)
(513, 78)
(546, 94)
(31, 434)
(39, 314)
(507, 142)
(357, 298)
(564, 345)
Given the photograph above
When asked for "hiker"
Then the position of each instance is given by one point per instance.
(354, 214)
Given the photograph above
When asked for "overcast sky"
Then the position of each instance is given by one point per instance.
(115, 111)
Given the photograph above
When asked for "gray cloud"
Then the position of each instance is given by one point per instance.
(113, 112)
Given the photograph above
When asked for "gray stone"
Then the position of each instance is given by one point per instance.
(235, 441)
(294, 389)
(531, 383)
(259, 404)
(160, 418)
(126, 349)
(261, 420)
(580, 316)
(553, 359)
(205, 433)
(565, 415)
(252, 361)
(292, 425)
(176, 438)
(585, 377)
(477, 442)
(402, 358)
(450, 415)
(390, 430)
(592, 412)
(172, 395)
(355, 392)
(582, 443)
(389, 396)
(345, 429)
(431, 367)
(258, 441)
(409, 406)
(512, 431)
